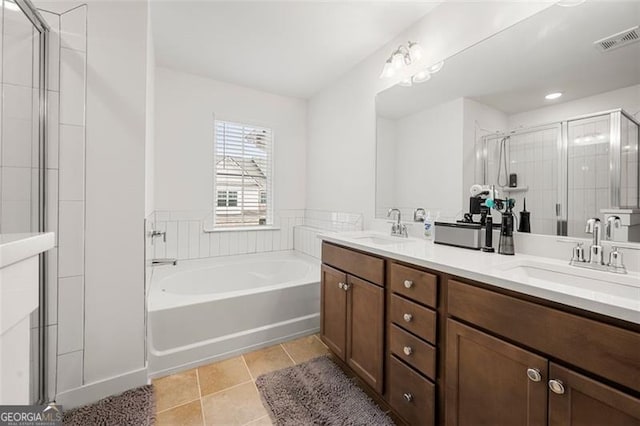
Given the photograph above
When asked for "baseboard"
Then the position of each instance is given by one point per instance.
(95, 391)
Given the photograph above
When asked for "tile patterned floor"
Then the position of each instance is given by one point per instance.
(224, 393)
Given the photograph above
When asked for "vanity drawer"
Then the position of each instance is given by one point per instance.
(414, 284)
(359, 264)
(602, 349)
(411, 395)
(420, 355)
(415, 318)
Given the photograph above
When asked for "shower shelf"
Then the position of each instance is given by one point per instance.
(516, 189)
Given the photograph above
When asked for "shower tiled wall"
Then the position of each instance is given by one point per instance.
(65, 198)
(533, 157)
(588, 171)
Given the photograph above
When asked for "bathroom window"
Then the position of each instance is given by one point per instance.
(243, 175)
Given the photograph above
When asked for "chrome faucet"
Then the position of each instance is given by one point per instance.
(612, 222)
(595, 251)
(157, 262)
(397, 228)
(419, 214)
(154, 233)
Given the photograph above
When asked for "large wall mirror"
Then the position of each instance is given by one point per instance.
(485, 119)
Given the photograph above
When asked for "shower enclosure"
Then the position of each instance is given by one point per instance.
(22, 146)
(568, 171)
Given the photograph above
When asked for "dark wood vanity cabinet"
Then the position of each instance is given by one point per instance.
(490, 381)
(444, 350)
(352, 311)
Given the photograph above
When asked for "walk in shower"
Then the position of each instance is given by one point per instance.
(568, 171)
(22, 146)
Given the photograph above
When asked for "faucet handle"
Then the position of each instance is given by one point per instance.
(578, 253)
(615, 259)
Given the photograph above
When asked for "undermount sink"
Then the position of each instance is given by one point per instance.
(575, 280)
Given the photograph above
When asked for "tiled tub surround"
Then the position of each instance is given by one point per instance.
(207, 309)
(292, 229)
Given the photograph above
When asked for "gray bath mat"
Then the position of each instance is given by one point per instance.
(133, 407)
(317, 392)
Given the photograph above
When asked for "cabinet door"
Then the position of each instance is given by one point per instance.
(488, 383)
(577, 400)
(365, 330)
(333, 307)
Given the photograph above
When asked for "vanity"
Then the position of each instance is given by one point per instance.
(19, 297)
(451, 336)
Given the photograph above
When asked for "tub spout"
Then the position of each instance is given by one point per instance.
(156, 262)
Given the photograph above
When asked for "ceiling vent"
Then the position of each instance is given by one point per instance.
(620, 39)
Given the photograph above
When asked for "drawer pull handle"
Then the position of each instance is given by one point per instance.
(556, 386)
(407, 317)
(407, 350)
(341, 285)
(408, 283)
(408, 397)
(345, 287)
(534, 374)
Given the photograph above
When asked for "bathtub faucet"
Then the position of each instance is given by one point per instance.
(156, 262)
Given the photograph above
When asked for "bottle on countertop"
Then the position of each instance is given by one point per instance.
(428, 226)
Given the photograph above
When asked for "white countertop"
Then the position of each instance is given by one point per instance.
(593, 293)
(17, 247)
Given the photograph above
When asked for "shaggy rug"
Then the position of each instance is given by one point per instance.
(317, 392)
(133, 407)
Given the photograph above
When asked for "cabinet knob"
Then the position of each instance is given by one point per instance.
(407, 317)
(345, 287)
(341, 285)
(408, 283)
(556, 386)
(408, 397)
(534, 374)
(407, 350)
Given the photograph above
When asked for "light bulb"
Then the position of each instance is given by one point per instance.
(397, 60)
(435, 67)
(421, 76)
(415, 51)
(388, 70)
(552, 96)
(405, 82)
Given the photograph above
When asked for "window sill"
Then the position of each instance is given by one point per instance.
(244, 228)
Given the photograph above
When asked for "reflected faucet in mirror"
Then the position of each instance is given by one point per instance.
(397, 228)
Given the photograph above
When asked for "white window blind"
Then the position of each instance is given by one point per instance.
(243, 175)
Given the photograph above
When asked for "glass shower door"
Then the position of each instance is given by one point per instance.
(22, 125)
(589, 185)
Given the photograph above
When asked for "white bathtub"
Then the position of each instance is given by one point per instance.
(209, 309)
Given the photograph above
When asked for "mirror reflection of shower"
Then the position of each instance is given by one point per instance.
(568, 171)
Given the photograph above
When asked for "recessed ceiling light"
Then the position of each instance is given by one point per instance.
(552, 96)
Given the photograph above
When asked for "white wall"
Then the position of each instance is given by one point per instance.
(479, 120)
(185, 105)
(429, 159)
(149, 152)
(385, 165)
(342, 119)
(627, 98)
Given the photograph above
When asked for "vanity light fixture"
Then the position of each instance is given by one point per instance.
(552, 96)
(403, 61)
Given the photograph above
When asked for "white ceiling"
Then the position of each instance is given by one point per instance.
(291, 48)
(552, 51)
